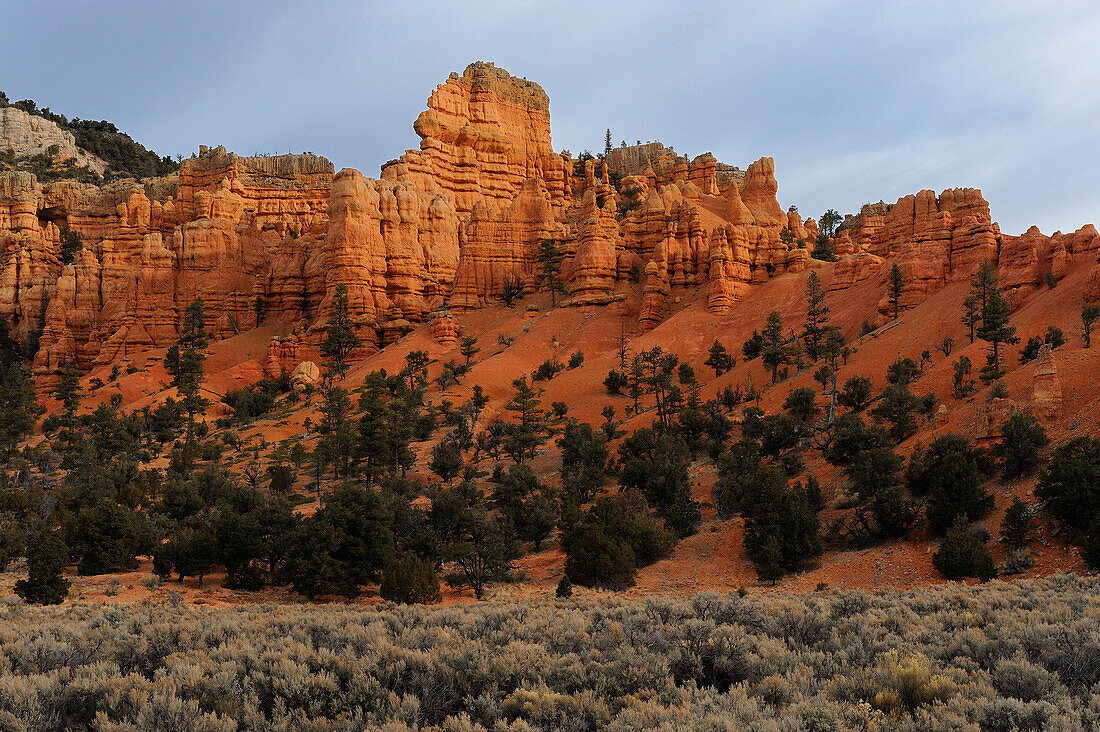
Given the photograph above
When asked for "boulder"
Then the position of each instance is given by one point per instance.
(306, 375)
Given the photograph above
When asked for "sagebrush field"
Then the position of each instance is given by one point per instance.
(1002, 656)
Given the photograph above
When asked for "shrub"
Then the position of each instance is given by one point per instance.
(13, 539)
(576, 359)
(410, 580)
(909, 683)
(851, 437)
(511, 290)
(1016, 526)
(564, 588)
(547, 370)
(950, 473)
(897, 409)
(1019, 450)
(963, 385)
(280, 477)
(1018, 678)
(107, 538)
(47, 556)
(615, 382)
(736, 472)
(1054, 337)
(1001, 656)
(902, 371)
(594, 559)
(777, 433)
(781, 531)
(824, 250)
(1017, 562)
(614, 537)
(255, 400)
(656, 465)
(1089, 315)
(963, 553)
(584, 459)
(1030, 351)
(753, 347)
(1071, 484)
(855, 394)
(71, 244)
(801, 404)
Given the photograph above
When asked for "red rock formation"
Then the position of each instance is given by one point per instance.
(282, 357)
(1046, 387)
(854, 269)
(1092, 286)
(1025, 260)
(593, 270)
(484, 133)
(444, 330)
(654, 296)
(305, 376)
(729, 273)
(703, 173)
(955, 228)
(498, 245)
(447, 226)
(937, 240)
(758, 193)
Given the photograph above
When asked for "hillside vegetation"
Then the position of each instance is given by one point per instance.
(125, 157)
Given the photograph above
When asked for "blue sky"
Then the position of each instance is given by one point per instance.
(856, 101)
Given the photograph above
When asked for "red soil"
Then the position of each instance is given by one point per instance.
(713, 559)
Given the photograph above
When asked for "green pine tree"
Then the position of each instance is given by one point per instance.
(767, 559)
(47, 557)
(340, 338)
(817, 317)
(896, 282)
(996, 330)
(719, 358)
(1016, 526)
(550, 259)
(186, 361)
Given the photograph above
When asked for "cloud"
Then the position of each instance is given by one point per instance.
(857, 101)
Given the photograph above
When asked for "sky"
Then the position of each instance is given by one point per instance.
(856, 101)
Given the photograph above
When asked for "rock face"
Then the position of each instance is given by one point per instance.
(1092, 286)
(484, 133)
(28, 134)
(941, 239)
(992, 415)
(228, 230)
(444, 330)
(306, 375)
(1026, 260)
(594, 267)
(446, 228)
(499, 246)
(282, 357)
(1046, 387)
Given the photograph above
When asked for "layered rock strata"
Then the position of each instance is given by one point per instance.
(450, 227)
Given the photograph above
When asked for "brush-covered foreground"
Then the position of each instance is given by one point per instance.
(1002, 656)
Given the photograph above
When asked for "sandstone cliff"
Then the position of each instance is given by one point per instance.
(941, 239)
(448, 227)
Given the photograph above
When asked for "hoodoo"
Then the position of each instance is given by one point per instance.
(447, 226)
